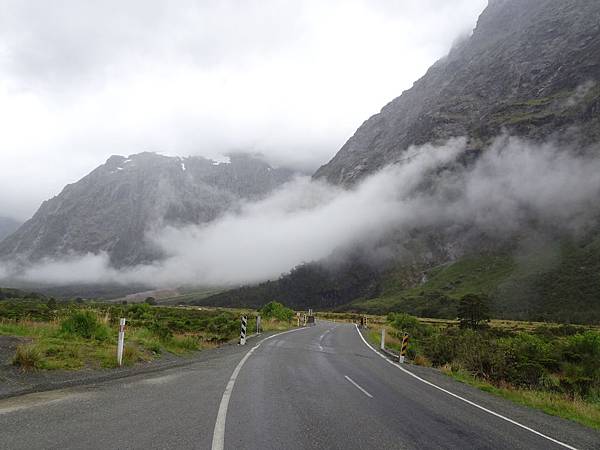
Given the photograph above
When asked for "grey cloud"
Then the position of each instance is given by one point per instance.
(513, 185)
(82, 80)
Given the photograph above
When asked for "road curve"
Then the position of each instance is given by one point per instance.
(325, 388)
(318, 388)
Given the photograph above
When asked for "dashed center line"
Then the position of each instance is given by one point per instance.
(357, 386)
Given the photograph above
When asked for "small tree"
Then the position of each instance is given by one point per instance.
(150, 300)
(275, 310)
(473, 311)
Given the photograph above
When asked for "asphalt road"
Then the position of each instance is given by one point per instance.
(315, 388)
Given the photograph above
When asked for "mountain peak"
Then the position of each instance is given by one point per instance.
(519, 72)
(112, 208)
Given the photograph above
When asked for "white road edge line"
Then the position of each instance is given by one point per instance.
(218, 440)
(489, 411)
(357, 386)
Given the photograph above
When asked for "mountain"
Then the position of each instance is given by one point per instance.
(7, 226)
(530, 68)
(112, 208)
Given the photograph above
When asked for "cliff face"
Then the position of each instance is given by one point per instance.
(531, 68)
(7, 226)
(113, 207)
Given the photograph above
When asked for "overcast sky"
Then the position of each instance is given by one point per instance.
(82, 80)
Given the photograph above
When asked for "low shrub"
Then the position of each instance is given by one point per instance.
(276, 310)
(27, 357)
(85, 324)
(160, 330)
(406, 323)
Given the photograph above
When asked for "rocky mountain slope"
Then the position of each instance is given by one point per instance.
(7, 226)
(113, 207)
(531, 68)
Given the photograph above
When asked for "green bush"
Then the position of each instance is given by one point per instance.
(84, 324)
(440, 348)
(480, 355)
(528, 359)
(405, 323)
(581, 354)
(275, 310)
(160, 330)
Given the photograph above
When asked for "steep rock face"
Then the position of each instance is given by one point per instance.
(531, 68)
(7, 226)
(113, 207)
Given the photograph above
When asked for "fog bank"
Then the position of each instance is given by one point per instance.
(514, 184)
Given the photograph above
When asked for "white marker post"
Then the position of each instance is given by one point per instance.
(121, 341)
(383, 339)
(258, 325)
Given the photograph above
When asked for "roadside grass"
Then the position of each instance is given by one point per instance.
(556, 404)
(392, 342)
(566, 405)
(86, 336)
(275, 325)
(27, 356)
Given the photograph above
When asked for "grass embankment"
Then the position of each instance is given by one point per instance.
(551, 367)
(75, 336)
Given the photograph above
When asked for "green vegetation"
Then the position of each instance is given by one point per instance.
(84, 324)
(555, 282)
(189, 296)
(275, 310)
(473, 311)
(307, 285)
(8, 293)
(554, 368)
(74, 335)
(439, 290)
(27, 357)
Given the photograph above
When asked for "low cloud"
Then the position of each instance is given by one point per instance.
(513, 185)
(82, 80)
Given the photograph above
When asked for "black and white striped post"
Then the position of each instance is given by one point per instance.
(243, 330)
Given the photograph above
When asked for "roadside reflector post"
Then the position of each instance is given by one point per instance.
(404, 348)
(383, 339)
(121, 341)
(258, 324)
(243, 330)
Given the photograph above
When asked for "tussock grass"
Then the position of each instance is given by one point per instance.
(27, 357)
